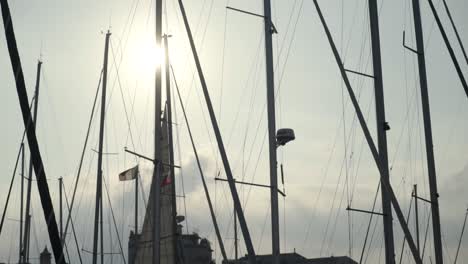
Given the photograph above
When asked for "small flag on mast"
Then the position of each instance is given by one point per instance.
(129, 174)
(166, 181)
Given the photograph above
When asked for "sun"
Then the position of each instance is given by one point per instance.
(151, 56)
(146, 56)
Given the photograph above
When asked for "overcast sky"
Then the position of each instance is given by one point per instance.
(327, 167)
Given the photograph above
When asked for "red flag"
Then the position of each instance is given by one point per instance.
(166, 181)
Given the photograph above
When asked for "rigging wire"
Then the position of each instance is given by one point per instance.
(113, 219)
(276, 69)
(332, 208)
(223, 58)
(344, 141)
(202, 42)
(425, 236)
(72, 225)
(200, 169)
(461, 237)
(263, 227)
(456, 31)
(220, 110)
(179, 160)
(370, 224)
(446, 249)
(362, 48)
(123, 97)
(449, 48)
(186, 101)
(132, 112)
(276, 93)
(347, 141)
(372, 239)
(407, 219)
(263, 141)
(14, 170)
(353, 143)
(11, 186)
(82, 157)
(128, 120)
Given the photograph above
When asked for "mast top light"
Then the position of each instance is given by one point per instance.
(284, 135)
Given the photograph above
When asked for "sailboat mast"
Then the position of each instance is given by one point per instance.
(97, 211)
(428, 133)
(61, 209)
(28, 192)
(21, 204)
(27, 234)
(101, 224)
(416, 218)
(157, 143)
(270, 80)
(382, 128)
(171, 143)
(136, 202)
(236, 246)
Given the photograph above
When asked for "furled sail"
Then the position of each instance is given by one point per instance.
(142, 246)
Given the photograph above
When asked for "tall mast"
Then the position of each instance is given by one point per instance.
(27, 233)
(428, 133)
(171, 142)
(236, 247)
(270, 81)
(97, 211)
(382, 128)
(136, 202)
(60, 209)
(101, 224)
(157, 142)
(416, 218)
(21, 203)
(28, 192)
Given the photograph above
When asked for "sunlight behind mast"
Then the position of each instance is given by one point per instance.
(145, 57)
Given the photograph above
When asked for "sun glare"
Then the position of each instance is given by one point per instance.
(151, 56)
(148, 56)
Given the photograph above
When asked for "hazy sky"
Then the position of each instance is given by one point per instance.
(323, 175)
